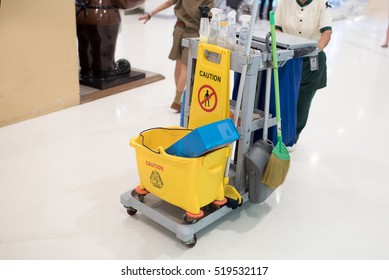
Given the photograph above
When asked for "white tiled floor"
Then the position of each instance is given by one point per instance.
(62, 174)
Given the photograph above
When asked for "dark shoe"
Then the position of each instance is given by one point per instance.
(122, 67)
(176, 106)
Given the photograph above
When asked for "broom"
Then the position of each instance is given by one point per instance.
(279, 161)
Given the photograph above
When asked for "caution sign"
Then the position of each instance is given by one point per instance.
(207, 98)
(210, 95)
(156, 180)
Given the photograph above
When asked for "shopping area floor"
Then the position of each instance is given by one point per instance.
(62, 174)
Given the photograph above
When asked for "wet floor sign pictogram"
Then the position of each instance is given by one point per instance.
(156, 180)
(207, 98)
(210, 99)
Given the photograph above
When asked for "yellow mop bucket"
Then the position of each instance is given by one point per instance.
(189, 183)
(211, 95)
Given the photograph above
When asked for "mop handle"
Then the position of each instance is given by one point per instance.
(275, 72)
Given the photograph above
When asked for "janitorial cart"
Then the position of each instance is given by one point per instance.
(187, 193)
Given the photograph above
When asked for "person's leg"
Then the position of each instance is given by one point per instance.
(180, 76)
(261, 8)
(181, 83)
(311, 81)
(269, 8)
(177, 70)
(303, 105)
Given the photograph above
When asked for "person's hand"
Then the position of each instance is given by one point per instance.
(145, 17)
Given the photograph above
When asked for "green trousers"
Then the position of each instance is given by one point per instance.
(311, 81)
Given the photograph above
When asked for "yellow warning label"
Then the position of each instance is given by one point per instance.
(210, 99)
(210, 76)
(156, 180)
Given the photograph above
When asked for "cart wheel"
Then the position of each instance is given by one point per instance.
(131, 211)
(213, 207)
(192, 243)
(188, 220)
(141, 197)
(140, 191)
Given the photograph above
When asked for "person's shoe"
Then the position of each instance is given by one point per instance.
(176, 106)
(291, 148)
(384, 46)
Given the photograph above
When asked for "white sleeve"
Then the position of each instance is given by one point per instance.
(278, 14)
(325, 22)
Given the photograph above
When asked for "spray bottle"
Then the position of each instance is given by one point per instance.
(222, 39)
(231, 30)
(215, 26)
(244, 31)
(204, 24)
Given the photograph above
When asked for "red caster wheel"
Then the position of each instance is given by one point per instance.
(190, 218)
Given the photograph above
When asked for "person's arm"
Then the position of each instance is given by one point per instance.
(324, 39)
(325, 24)
(146, 17)
(278, 17)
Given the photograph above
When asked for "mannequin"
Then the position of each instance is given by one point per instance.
(98, 23)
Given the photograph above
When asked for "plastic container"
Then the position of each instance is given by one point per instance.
(231, 30)
(222, 40)
(215, 26)
(244, 32)
(205, 139)
(204, 24)
(188, 183)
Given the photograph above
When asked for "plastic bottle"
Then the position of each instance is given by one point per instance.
(204, 24)
(215, 26)
(222, 39)
(244, 32)
(231, 30)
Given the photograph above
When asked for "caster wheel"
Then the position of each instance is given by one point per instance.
(188, 220)
(141, 197)
(212, 207)
(131, 211)
(192, 243)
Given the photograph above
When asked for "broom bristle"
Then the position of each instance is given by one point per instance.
(275, 172)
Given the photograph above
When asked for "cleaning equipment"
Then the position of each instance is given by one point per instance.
(258, 156)
(244, 32)
(188, 183)
(210, 100)
(278, 165)
(222, 39)
(231, 30)
(215, 26)
(170, 184)
(204, 139)
(204, 24)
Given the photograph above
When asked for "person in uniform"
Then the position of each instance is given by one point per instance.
(187, 26)
(309, 19)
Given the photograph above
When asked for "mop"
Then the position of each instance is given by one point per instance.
(279, 161)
